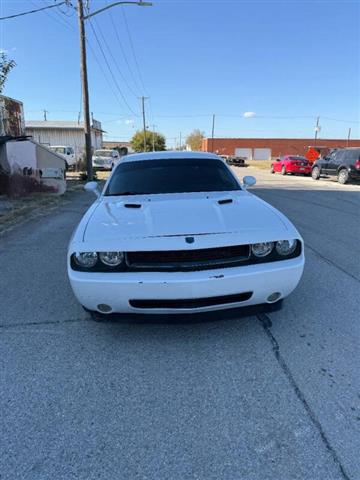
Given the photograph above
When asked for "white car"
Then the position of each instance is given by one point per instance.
(176, 232)
(105, 159)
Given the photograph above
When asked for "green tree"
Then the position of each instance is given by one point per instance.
(194, 140)
(6, 66)
(154, 141)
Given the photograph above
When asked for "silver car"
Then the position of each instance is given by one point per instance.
(105, 159)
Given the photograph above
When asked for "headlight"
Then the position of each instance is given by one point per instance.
(286, 247)
(262, 249)
(86, 259)
(111, 259)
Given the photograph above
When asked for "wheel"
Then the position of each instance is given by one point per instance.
(272, 169)
(343, 176)
(283, 170)
(315, 173)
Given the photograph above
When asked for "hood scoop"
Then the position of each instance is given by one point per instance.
(132, 205)
(225, 201)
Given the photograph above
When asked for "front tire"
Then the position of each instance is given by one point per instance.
(343, 176)
(283, 170)
(315, 173)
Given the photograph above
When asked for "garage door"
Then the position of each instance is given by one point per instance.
(262, 153)
(244, 152)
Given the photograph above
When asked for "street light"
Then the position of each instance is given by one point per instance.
(84, 79)
(140, 4)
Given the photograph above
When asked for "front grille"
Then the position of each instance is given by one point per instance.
(184, 260)
(191, 302)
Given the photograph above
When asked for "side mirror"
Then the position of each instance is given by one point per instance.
(248, 181)
(92, 187)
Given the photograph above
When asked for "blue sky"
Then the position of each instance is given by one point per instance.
(287, 61)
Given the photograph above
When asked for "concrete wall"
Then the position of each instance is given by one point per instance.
(47, 167)
(20, 155)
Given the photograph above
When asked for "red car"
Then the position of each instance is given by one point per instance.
(291, 164)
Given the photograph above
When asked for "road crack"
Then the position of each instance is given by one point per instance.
(267, 324)
(330, 262)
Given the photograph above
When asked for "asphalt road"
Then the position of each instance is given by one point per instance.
(272, 396)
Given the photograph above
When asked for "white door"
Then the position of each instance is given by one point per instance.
(262, 153)
(244, 152)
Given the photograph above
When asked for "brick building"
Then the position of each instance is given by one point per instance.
(267, 148)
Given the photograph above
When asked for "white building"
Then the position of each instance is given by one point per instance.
(71, 134)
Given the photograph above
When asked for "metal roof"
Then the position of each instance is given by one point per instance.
(57, 124)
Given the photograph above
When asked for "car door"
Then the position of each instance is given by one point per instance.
(70, 155)
(334, 162)
(326, 163)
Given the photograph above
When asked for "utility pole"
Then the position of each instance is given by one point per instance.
(85, 91)
(180, 142)
(317, 129)
(348, 139)
(45, 116)
(212, 133)
(144, 120)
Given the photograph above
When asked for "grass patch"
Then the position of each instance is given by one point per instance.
(35, 205)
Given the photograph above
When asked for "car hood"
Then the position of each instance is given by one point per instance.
(139, 218)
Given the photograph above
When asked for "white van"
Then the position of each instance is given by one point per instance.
(66, 152)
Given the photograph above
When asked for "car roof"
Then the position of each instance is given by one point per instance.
(135, 157)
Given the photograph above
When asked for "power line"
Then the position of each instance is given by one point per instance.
(61, 13)
(133, 49)
(114, 60)
(110, 70)
(60, 20)
(33, 11)
(65, 23)
(123, 51)
(105, 76)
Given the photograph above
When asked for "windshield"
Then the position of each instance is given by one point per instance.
(58, 149)
(103, 153)
(178, 175)
(302, 159)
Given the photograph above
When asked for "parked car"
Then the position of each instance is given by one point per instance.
(343, 163)
(134, 252)
(105, 159)
(236, 161)
(66, 152)
(291, 164)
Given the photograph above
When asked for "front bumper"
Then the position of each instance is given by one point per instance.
(102, 167)
(119, 290)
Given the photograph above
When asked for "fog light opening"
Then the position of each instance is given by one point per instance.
(274, 297)
(104, 308)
